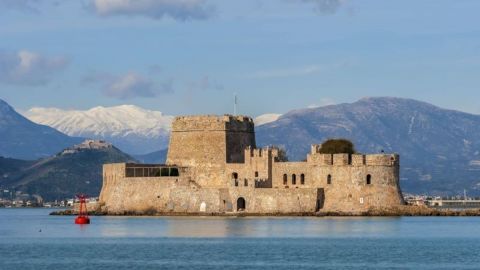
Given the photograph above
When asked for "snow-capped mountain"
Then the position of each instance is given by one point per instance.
(266, 118)
(132, 129)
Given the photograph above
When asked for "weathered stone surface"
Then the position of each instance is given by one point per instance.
(220, 171)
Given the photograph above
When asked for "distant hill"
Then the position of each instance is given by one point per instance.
(22, 139)
(155, 157)
(440, 149)
(10, 166)
(132, 129)
(74, 170)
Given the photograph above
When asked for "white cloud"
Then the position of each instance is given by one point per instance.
(129, 85)
(29, 68)
(288, 72)
(181, 10)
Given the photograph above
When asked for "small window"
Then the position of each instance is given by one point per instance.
(256, 174)
(164, 172)
(236, 182)
(234, 175)
(174, 172)
(329, 179)
(369, 179)
(302, 179)
(294, 179)
(245, 182)
(285, 179)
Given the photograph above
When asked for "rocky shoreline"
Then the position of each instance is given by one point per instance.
(390, 212)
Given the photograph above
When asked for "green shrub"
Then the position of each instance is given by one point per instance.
(337, 146)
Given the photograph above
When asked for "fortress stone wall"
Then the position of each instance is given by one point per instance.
(213, 166)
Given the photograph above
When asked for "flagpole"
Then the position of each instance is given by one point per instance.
(235, 104)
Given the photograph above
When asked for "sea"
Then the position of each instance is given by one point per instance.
(32, 239)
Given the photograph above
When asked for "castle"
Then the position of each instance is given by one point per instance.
(214, 167)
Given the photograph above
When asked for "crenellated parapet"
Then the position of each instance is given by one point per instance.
(317, 158)
(213, 123)
(262, 153)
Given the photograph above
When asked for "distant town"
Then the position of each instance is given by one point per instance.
(16, 199)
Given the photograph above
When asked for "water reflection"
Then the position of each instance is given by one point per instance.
(246, 227)
(37, 223)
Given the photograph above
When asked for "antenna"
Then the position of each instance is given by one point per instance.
(235, 104)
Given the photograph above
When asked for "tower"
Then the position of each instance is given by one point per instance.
(213, 140)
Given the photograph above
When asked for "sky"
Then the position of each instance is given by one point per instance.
(193, 56)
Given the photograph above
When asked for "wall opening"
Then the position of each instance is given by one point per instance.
(241, 204)
(285, 179)
(294, 179)
(256, 174)
(302, 179)
(245, 182)
(369, 179)
(329, 179)
(174, 172)
(235, 178)
(320, 199)
(203, 207)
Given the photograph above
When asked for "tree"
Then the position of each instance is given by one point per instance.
(337, 146)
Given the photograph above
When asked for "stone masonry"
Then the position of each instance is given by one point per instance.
(214, 167)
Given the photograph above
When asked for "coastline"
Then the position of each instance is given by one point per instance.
(392, 212)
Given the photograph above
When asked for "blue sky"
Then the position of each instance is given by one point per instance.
(190, 56)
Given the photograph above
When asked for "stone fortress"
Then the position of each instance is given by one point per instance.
(214, 167)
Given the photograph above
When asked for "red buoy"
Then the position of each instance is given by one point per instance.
(82, 217)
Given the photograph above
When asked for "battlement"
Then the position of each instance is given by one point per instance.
(355, 159)
(264, 152)
(225, 122)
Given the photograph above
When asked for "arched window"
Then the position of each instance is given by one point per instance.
(294, 179)
(302, 179)
(285, 179)
(369, 179)
(329, 179)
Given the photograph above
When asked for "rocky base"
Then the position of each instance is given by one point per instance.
(397, 211)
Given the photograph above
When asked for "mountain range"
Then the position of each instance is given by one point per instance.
(439, 148)
(130, 128)
(23, 139)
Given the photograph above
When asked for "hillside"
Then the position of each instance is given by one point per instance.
(74, 170)
(440, 149)
(23, 139)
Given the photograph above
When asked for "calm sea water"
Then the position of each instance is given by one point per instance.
(31, 239)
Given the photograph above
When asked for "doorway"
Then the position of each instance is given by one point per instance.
(241, 204)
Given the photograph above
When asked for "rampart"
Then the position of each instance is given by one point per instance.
(214, 167)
